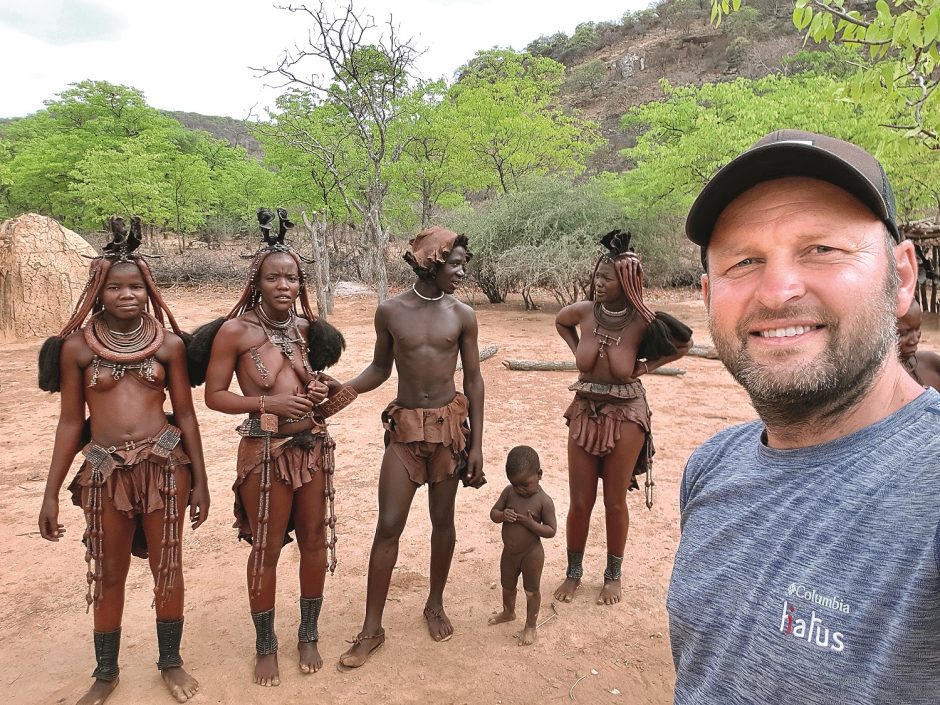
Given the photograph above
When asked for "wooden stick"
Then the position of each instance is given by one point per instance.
(485, 354)
(564, 366)
(707, 352)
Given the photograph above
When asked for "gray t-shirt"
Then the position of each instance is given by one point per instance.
(811, 576)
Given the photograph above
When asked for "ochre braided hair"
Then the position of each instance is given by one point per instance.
(119, 250)
(662, 329)
(628, 269)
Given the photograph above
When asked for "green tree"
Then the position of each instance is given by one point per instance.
(364, 87)
(543, 235)
(688, 136)
(505, 114)
(902, 43)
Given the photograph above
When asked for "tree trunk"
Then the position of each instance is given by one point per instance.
(321, 262)
(378, 238)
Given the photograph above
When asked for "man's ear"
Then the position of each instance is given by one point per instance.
(906, 259)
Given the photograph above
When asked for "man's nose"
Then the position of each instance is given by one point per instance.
(781, 282)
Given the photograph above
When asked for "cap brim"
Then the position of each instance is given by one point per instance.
(775, 161)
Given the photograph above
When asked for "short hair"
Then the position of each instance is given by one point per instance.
(429, 273)
(521, 461)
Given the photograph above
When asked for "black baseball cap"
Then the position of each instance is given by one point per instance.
(794, 153)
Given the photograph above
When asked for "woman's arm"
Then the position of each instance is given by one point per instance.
(566, 324)
(68, 436)
(181, 397)
(222, 361)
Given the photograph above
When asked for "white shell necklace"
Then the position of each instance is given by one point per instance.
(427, 298)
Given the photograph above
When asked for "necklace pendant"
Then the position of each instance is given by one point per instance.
(96, 368)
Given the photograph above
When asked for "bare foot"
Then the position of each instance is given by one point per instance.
(565, 591)
(98, 692)
(500, 617)
(310, 661)
(610, 593)
(527, 636)
(266, 672)
(181, 685)
(439, 626)
(362, 648)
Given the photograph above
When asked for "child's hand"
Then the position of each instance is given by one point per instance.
(510, 515)
(529, 520)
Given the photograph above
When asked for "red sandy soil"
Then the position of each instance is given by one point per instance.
(47, 653)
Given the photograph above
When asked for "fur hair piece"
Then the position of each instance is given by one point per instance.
(198, 350)
(662, 330)
(617, 243)
(325, 344)
(50, 376)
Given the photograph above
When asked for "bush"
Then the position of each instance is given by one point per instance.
(737, 50)
(543, 236)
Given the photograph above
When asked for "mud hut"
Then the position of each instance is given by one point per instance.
(42, 274)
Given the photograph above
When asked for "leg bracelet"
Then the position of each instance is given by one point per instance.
(309, 614)
(613, 567)
(169, 635)
(107, 647)
(575, 569)
(265, 638)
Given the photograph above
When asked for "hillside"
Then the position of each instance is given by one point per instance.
(233, 131)
(624, 64)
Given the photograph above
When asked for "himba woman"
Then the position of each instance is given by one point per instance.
(609, 420)
(140, 470)
(285, 456)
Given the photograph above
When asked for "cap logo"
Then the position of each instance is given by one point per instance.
(808, 143)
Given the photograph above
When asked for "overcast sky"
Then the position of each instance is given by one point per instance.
(194, 55)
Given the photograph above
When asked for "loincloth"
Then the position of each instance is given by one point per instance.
(135, 479)
(294, 460)
(139, 477)
(595, 423)
(430, 443)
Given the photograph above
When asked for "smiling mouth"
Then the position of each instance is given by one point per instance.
(787, 332)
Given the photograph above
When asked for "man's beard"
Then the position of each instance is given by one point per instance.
(793, 397)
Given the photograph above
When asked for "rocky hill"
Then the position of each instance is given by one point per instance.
(621, 65)
(233, 131)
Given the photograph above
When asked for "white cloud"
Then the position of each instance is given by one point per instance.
(194, 54)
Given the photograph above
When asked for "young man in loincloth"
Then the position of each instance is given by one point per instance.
(284, 474)
(141, 467)
(421, 331)
(922, 365)
(527, 514)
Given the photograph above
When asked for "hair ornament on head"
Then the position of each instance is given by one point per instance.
(617, 244)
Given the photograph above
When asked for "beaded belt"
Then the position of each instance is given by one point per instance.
(630, 390)
(163, 444)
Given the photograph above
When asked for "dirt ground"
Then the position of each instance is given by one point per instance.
(623, 651)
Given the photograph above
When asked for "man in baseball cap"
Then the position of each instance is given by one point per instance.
(809, 565)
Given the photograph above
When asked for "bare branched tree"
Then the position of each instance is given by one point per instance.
(365, 72)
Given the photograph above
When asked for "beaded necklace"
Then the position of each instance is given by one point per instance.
(612, 321)
(121, 351)
(283, 335)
